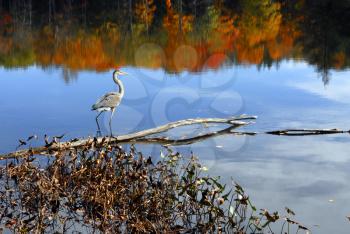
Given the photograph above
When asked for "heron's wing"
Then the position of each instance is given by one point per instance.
(109, 100)
(106, 96)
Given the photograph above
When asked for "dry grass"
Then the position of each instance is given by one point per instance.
(105, 189)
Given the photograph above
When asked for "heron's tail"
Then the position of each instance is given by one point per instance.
(94, 107)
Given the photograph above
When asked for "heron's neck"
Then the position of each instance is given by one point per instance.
(120, 84)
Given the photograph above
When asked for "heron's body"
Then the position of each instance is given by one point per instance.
(110, 101)
(107, 102)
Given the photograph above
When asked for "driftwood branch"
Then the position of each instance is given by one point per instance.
(234, 121)
(140, 137)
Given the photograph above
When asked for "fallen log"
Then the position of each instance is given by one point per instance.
(139, 137)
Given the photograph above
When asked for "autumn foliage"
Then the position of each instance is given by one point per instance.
(180, 38)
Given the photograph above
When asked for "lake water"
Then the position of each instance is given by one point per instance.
(309, 174)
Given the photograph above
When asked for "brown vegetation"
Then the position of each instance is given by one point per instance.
(109, 190)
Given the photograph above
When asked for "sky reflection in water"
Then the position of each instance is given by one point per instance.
(303, 173)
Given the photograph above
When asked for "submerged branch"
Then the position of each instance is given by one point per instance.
(306, 132)
(187, 141)
(140, 137)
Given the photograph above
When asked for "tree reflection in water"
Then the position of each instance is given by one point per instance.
(101, 35)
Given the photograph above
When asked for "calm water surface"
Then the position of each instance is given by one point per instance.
(309, 174)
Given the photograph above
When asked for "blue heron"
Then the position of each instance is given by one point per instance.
(110, 101)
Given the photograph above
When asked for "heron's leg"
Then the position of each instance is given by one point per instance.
(98, 125)
(110, 121)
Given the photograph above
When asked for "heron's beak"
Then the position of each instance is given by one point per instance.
(122, 73)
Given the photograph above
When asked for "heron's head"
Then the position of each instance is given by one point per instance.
(118, 72)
